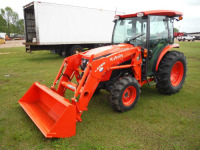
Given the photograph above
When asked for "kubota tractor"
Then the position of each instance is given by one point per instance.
(140, 54)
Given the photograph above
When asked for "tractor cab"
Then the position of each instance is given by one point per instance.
(151, 30)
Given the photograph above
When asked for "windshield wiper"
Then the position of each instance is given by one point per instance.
(133, 38)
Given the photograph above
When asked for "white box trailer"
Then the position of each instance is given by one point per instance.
(66, 29)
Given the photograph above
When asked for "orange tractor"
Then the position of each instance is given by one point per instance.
(140, 54)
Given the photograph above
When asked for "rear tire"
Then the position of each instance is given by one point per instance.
(171, 73)
(125, 94)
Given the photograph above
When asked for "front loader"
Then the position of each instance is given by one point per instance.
(139, 55)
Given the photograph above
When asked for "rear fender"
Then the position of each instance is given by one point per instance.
(164, 51)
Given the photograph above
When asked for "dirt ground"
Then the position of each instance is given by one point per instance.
(13, 43)
(18, 43)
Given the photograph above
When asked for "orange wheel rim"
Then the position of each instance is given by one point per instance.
(129, 96)
(177, 73)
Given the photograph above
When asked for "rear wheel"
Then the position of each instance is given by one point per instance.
(171, 72)
(125, 94)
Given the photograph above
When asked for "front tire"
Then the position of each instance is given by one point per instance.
(171, 72)
(125, 94)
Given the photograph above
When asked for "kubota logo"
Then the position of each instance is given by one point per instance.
(125, 49)
(116, 57)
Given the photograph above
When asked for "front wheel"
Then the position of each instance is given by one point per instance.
(171, 72)
(125, 94)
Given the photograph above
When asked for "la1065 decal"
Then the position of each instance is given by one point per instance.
(100, 67)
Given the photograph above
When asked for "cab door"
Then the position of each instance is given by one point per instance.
(160, 35)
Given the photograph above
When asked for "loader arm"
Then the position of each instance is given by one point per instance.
(55, 115)
(94, 73)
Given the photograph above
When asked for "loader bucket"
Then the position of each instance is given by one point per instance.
(54, 115)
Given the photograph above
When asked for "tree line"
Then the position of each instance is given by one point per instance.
(10, 22)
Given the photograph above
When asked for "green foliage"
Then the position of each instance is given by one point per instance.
(3, 24)
(176, 30)
(15, 19)
(7, 14)
(10, 22)
(20, 26)
(157, 122)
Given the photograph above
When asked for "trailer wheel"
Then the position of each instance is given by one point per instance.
(125, 94)
(171, 73)
(59, 52)
(75, 49)
(63, 53)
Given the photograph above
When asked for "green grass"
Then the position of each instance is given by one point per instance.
(157, 122)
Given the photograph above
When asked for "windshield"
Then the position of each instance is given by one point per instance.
(129, 28)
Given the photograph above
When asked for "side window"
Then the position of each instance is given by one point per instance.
(159, 38)
(158, 28)
(158, 33)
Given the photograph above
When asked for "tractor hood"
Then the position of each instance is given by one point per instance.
(106, 50)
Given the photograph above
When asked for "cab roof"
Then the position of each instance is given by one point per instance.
(169, 13)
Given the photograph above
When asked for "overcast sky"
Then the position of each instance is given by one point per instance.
(189, 8)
